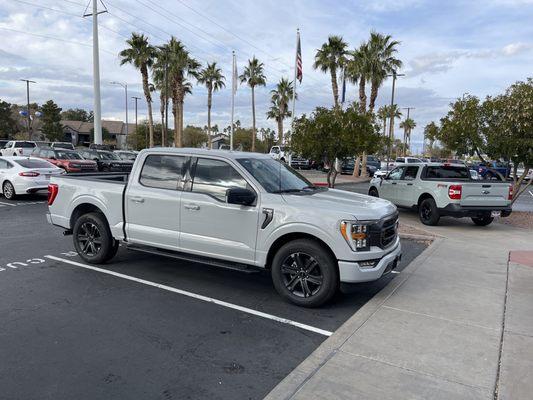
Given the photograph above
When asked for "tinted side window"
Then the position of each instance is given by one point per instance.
(3, 164)
(447, 172)
(163, 172)
(214, 177)
(410, 173)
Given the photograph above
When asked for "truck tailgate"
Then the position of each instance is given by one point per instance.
(485, 194)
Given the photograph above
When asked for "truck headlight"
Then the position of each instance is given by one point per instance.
(356, 234)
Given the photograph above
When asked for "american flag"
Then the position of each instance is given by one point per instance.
(299, 70)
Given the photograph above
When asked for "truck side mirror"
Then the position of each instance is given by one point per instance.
(240, 196)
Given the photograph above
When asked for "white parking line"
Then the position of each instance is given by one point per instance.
(8, 204)
(197, 296)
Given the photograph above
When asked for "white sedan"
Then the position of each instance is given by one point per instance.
(21, 175)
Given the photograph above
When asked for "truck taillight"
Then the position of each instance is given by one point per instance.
(510, 196)
(30, 174)
(20, 151)
(53, 189)
(455, 191)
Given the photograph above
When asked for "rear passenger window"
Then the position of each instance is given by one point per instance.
(162, 172)
(410, 173)
(214, 177)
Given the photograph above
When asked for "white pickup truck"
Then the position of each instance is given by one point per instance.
(231, 209)
(17, 148)
(437, 189)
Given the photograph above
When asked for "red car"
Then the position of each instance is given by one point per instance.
(69, 160)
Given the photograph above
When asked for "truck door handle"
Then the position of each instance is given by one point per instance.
(192, 207)
(394, 183)
(137, 199)
(409, 184)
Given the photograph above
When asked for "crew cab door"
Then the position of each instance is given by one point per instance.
(209, 225)
(388, 189)
(405, 189)
(152, 201)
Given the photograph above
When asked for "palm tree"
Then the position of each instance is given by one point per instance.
(394, 111)
(213, 79)
(408, 124)
(141, 55)
(253, 76)
(358, 70)
(330, 57)
(382, 114)
(161, 79)
(382, 50)
(281, 96)
(182, 65)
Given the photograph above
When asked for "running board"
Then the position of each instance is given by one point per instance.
(248, 269)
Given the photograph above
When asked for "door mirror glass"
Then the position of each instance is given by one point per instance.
(241, 196)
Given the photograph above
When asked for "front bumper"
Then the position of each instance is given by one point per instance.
(352, 272)
(458, 211)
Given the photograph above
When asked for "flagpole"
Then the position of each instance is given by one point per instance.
(295, 77)
(232, 99)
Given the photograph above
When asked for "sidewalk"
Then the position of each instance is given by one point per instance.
(320, 178)
(435, 332)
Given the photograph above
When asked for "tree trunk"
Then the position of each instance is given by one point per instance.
(280, 131)
(517, 184)
(162, 111)
(373, 96)
(178, 134)
(334, 87)
(209, 103)
(181, 121)
(385, 127)
(357, 167)
(253, 119)
(144, 73)
(405, 141)
(362, 94)
(364, 173)
(175, 114)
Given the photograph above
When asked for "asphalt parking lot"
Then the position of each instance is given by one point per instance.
(145, 326)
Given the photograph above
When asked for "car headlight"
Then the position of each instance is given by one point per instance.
(356, 234)
(75, 165)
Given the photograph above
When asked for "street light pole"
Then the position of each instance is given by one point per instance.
(391, 126)
(28, 105)
(96, 73)
(125, 86)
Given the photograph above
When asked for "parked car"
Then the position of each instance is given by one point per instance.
(70, 161)
(126, 155)
(299, 162)
(529, 175)
(107, 161)
(17, 148)
(94, 146)
(62, 145)
(280, 153)
(3, 143)
(453, 161)
(231, 209)
(22, 175)
(374, 161)
(493, 170)
(444, 190)
(348, 165)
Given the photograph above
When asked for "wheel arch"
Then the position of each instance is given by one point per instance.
(85, 208)
(289, 237)
(423, 197)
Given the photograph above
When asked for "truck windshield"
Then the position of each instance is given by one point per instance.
(67, 155)
(446, 172)
(105, 155)
(275, 176)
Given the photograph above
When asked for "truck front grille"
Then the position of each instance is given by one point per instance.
(384, 233)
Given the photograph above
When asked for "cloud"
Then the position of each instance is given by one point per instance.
(516, 48)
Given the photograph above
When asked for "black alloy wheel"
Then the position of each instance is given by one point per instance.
(305, 273)
(90, 239)
(302, 275)
(428, 212)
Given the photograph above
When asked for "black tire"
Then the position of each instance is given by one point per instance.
(373, 192)
(8, 191)
(305, 273)
(93, 240)
(482, 221)
(428, 212)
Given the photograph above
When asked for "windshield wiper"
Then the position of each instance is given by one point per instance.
(287, 191)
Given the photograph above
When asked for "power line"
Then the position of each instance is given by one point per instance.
(53, 38)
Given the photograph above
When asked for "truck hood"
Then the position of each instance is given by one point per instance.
(360, 206)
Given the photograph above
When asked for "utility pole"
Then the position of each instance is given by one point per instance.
(391, 126)
(165, 123)
(135, 98)
(28, 105)
(405, 136)
(96, 71)
(125, 86)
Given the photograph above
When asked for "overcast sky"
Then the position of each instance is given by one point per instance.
(448, 48)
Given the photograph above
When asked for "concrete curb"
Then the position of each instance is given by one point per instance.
(287, 388)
